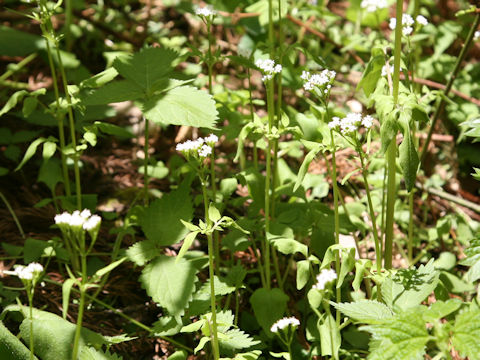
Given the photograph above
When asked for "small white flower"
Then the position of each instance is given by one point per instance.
(407, 22)
(205, 11)
(85, 214)
(326, 276)
(335, 123)
(23, 273)
(476, 35)
(63, 218)
(211, 139)
(190, 146)
(392, 24)
(35, 267)
(284, 323)
(322, 80)
(422, 20)
(92, 223)
(367, 121)
(390, 69)
(407, 30)
(76, 219)
(373, 5)
(205, 151)
(268, 68)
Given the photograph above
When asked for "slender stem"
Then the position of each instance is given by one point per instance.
(30, 304)
(271, 39)
(392, 148)
(211, 267)
(61, 132)
(72, 129)
(17, 67)
(146, 178)
(372, 214)
(68, 23)
(14, 216)
(448, 87)
(81, 306)
(337, 220)
(384, 186)
(216, 235)
(410, 227)
(210, 57)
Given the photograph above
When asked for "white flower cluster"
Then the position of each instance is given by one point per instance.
(284, 323)
(476, 35)
(201, 147)
(28, 272)
(326, 276)
(350, 123)
(83, 219)
(268, 68)
(407, 23)
(323, 80)
(205, 11)
(373, 5)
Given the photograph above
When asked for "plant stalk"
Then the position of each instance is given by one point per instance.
(146, 145)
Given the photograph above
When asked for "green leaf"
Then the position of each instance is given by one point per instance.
(66, 289)
(30, 152)
(29, 105)
(403, 337)
(251, 355)
(114, 130)
(147, 68)
(161, 220)
(409, 287)
(439, 309)
(157, 171)
(281, 236)
(330, 339)
(268, 305)
(473, 261)
(187, 242)
(371, 74)
(169, 283)
(142, 252)
(53, 335)
(49, 148)
(235, 339)
(106, 269)
(303, 273)
(90, 353)
(388, 129)
(3, 171)
(178, 355)
(466, 333)
(33, 249)
(166, 326)
(476, 175)
(365, 311)
(116, 91)
(348, 263)
(409, 160)
(261, 7)
(183, 105)
(201, 344)
(13, 101)
(213, 213)
(19, 43)
(304, 167)
(50, 173)
(99, 79)
(11, 348)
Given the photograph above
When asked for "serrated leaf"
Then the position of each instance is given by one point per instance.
(221, 287)
(146, 68)
(116, 91)
(365, 311)
(268, 305)
(161, 220)
(439, 309)
(183, 105)
(466, 333)
(166, 326)
(142, 252)
(169, 283)
(90, 353)
(473, 261)
(403, 337)
(235, 339)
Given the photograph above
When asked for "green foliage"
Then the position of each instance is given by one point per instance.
(268, 306)
(466, 332)
(169, 283)
(365, 311)
(11, 348)
(472, 260)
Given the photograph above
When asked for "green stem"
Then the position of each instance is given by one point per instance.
(146, 178)
(392, 148)
(17, 67)
(81, 307)
(61, 132)
(211, 268)
(14, 216)
(410, 227)
(72, 129)
(30, 304)
(448, 87)
(372, 214)
(337, 221)
(271, 39)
